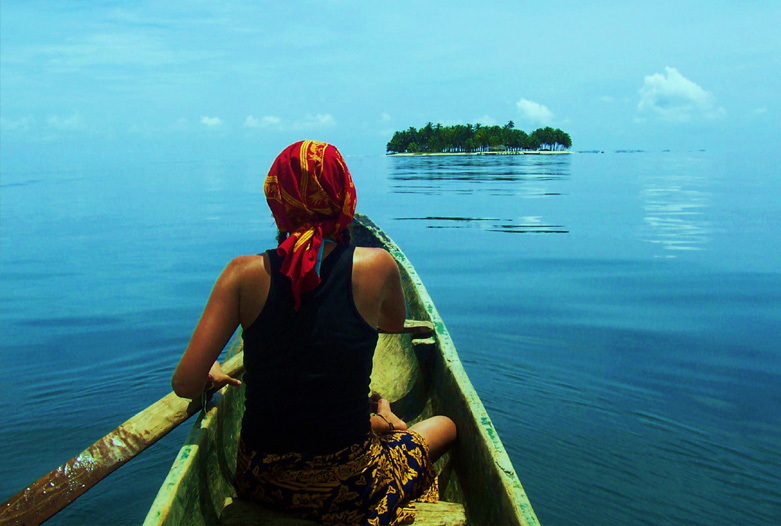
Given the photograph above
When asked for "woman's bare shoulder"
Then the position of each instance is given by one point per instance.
(373, 256)
(247, 262)
(243, 268)
(375, 263)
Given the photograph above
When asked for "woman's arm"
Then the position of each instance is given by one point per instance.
(218, 322)
(377, 289)
(393, 310)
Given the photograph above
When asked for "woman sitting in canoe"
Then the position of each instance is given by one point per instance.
(310, 312)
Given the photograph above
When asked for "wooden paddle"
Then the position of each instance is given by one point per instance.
(42, 499)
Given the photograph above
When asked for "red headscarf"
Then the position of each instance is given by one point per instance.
(312, 196)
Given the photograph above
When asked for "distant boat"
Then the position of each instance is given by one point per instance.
(420, 372)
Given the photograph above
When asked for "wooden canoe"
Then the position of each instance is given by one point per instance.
(420, 373)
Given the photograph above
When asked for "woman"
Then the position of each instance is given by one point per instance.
(310, 312)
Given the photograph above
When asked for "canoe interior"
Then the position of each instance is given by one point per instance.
(421, 375)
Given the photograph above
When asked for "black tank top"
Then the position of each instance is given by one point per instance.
(307, 372)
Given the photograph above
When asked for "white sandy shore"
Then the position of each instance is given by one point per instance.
(545, 152)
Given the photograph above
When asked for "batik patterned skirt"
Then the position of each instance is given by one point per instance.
(369, 483)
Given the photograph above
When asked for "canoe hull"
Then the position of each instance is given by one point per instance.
(421, 375)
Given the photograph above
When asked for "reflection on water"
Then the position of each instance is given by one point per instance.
(676, 199)
(527, 225)
(503, 176)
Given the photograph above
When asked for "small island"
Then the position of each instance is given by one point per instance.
(435, 139)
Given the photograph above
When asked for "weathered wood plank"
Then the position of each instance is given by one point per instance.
(440, 514)
(238, 512)
(415, 327)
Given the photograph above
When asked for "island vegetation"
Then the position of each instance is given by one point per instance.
(468, 138)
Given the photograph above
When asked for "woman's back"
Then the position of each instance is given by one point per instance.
(308, 371)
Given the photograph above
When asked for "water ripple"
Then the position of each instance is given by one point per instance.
(529, 225)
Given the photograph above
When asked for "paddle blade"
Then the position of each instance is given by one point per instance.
(51, 493)
(42, 499)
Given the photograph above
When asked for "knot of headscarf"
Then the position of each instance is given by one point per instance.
(312, 197)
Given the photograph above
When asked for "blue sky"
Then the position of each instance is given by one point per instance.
(177, 80)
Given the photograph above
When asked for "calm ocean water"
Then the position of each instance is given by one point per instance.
(618, 313)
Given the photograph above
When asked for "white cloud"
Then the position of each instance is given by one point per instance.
(74, 122)
(109, 49)
(211, 122)
(317, 121)
(144, 129)
(264, 122)
(674, 98)
(450, 122)
(486, 120)
(760, 111)
(23, 124)
(310, 122)
(180, 125)
(534, 111)
(385, 117)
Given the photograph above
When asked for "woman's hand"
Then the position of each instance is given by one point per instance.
(221, 379)
(384, 421)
